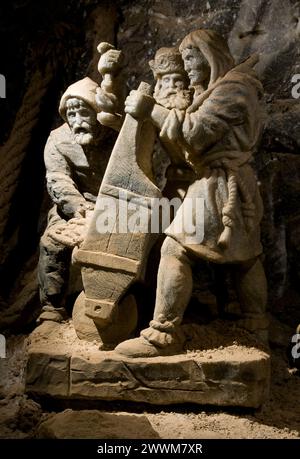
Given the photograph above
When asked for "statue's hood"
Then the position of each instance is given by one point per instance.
(215, 50)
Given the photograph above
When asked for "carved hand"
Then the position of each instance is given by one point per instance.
(107, 102)
(69, 233)
(82, 210)
(110, 61)
(139, 105)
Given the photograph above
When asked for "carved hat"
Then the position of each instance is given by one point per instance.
(84, 89)
(167, 60)
(214, 48)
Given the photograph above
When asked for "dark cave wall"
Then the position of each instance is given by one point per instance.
(47, 45)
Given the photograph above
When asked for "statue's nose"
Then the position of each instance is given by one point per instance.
(187, 66)
(78, 119)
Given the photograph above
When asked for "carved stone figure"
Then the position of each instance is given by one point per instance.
(205, 115)
(171, 91)
(111, 263)
(111, 94)
(75, 164)
(113, 259)
(217, 135)
(171, 79)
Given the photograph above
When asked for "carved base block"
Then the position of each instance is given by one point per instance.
(62, 366)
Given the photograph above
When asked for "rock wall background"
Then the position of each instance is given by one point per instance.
(47, 45)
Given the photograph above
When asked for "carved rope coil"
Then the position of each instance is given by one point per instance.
(229, 208)
(248, 207)
(235, 185)
(163, 332)
(164, 325)
(14, 151)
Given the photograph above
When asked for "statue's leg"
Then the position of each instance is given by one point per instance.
(53, 273)
(174, 289)
(251, 287)
(174, 282)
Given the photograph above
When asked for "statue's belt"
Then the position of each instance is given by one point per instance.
(182, 174)
(229, 160)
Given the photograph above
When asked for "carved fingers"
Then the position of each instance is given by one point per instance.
(69, 233)
(139, 105)
(80, 208)
(107, 102)
(110, 61)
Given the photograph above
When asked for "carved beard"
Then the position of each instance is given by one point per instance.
(83, 139)
(172, 98)
(82, 134)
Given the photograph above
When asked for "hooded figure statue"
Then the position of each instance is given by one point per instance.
(217, 135)
(76, 156)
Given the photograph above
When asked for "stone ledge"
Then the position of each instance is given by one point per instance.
(62, 366)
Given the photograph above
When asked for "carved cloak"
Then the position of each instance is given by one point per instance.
(218, 134)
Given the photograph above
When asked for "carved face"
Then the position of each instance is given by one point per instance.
(173, 81)
(170, 91)
(82, 120)
(196, 66)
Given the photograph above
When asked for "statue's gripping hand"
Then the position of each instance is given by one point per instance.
(106, 101)
(139, 105)
(81, 208)
(110, 61)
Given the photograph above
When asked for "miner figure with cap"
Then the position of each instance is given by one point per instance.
(76, 155)
(171, 91)
(217, 135)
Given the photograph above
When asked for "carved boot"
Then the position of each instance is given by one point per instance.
(51, 313)
(161, 338)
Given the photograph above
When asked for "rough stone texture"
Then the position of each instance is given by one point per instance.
(111, 262)
(95, 424)
(249, 26)
(139, 28)
(236, 373)
(279, 418)
(80, 24)
(18, 413)
(282, 126)
(279, 176)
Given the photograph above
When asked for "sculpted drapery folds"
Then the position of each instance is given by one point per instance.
(181, 165)
(208, 117)
(216, 135)
(170, 91)
(75, 164)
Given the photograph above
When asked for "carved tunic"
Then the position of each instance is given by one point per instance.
(73, 177)
(218, 134)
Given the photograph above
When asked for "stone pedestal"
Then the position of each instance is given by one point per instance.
(234, 374)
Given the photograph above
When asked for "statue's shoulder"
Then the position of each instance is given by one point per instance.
(245, 75)
(60, 139)
(61, 143)
(61, 134)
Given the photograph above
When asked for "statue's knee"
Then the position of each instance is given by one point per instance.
(49, 246)
(171, 247)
